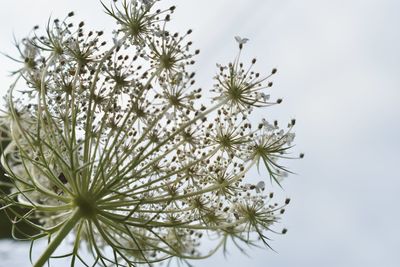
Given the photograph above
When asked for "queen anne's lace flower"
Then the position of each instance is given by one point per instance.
(111, 143)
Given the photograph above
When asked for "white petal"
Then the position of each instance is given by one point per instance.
(261, 185)
(241, 40)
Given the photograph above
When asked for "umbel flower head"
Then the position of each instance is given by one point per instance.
(110, 142)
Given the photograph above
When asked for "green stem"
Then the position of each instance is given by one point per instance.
(64, 231)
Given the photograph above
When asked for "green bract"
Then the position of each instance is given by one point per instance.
(110, 143)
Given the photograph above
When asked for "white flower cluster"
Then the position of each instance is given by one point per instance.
(111, 142)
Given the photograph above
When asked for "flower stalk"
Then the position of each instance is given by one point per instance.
(67, 227)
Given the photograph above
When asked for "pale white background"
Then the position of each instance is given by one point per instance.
(339, 75)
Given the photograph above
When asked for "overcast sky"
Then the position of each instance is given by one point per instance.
(339, 76)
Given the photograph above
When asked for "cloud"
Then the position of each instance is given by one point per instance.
(338, 67)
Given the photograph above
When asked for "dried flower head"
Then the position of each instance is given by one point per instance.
(110, 142)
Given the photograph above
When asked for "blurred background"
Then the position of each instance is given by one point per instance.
(339, 75)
